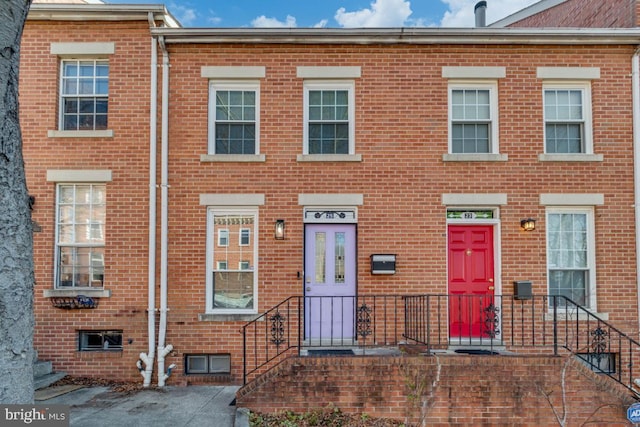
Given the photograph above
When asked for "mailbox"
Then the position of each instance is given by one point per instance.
(522, 290)
(383, 264)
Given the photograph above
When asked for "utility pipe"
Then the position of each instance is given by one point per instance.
(147, 358)
(164, 188)
(635, 96)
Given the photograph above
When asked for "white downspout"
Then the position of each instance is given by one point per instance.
(147, 358)
(635, 88)
(164, 188)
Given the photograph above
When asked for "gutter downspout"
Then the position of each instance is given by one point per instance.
(635, 87)
(147, 358)
(164, 188)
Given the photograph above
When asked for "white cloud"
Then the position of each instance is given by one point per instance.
(185, 15)
(461, 12)
(323, 23)
(383, 13)
(263, 21)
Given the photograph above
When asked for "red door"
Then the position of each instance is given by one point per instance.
(471, 285)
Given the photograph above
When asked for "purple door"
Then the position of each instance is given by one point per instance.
(330, 281)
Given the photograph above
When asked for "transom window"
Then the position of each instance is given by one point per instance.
(329, 121)
(84, 96)
(232, 279)
(80, 240)
(570, 255)
(234, 118)
(567, 119)
(473, 118)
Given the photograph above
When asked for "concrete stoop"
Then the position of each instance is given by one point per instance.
(43, 375)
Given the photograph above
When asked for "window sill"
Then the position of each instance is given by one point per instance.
(227, 317)
(329, 157)
(80, 133)
(93, 293)
(570, 157)
(572, 316)
(481, 157)
(233, 158)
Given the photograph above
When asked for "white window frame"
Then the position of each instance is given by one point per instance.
(494, 130)
(75, 244)
(244, 231)
(312, 85)
(587, 125)
(230, 85)
(94, 95)
(211, 242)
(223, 237)
(591, 297)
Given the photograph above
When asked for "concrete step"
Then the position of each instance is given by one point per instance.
(48, 379)
(41, 368)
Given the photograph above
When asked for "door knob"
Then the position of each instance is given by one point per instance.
(308, 288)
(491, 288)
(491, 280)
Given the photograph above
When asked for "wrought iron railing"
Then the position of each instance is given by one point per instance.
(437, 323)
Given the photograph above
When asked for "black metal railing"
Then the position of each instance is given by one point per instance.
(535, 325)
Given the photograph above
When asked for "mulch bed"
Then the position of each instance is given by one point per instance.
(127, 387)
(328, 417)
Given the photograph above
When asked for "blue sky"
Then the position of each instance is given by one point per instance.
(333, 13)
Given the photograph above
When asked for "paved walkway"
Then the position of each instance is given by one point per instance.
(192, 406)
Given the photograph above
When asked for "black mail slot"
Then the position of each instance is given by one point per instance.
(383, 264)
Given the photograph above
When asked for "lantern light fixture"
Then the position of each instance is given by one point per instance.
(279, 229)
(528, 224)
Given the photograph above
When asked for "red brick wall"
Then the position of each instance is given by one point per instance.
(443, 390)
(401, 133)
(126, 155)
(585, 14)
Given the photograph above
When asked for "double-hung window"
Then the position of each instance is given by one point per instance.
(234, 118)
(329, 125)
(84, 95)
(232, 265)
(567, 118)
(473, 118)
(80, 235)
(570, 254)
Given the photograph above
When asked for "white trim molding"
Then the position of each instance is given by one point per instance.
(474, 72)
(231, 199)
(330, 199)
(475, 199)
(575, 199)
(329, 72)
(83, 49)
(211, 72)
(568, 73)
(78, 175)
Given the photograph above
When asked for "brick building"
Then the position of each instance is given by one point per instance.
(207, 175)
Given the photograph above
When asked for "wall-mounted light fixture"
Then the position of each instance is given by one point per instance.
(528, 224)
(279, 231)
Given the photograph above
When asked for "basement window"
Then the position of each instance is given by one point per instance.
(208, 363)
(601, 363)
(100, 340)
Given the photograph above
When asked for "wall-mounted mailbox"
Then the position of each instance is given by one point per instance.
(522, 290)
(383, 264)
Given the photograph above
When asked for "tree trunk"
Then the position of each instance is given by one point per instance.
(16, 239)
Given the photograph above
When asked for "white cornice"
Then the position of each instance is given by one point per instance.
(101, 12)
(485, 35)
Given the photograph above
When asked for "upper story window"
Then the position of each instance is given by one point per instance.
(234, 118)
(567, 118)
(80, 237)
(84, 95)
(473, 118)
(329, 118)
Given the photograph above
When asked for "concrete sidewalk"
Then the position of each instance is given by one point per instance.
(192, 406)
